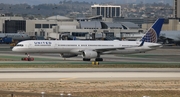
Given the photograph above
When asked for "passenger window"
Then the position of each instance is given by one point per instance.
(19, 45)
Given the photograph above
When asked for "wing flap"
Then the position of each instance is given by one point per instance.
(108, 49)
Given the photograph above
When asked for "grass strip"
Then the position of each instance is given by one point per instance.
(68, 65)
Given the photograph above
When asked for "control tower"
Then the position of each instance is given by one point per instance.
(176, 8)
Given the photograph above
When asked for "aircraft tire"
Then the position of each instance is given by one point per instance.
(99, 59)
(31, 59)
(24, 59)
(86, 59)
(27, 59)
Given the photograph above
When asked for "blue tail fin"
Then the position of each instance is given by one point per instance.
(153, 32)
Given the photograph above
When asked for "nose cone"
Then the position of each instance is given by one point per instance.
(14, 49)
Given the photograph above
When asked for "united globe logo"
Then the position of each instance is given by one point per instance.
(151, 36)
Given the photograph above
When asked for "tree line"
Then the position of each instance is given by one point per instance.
(63, 8)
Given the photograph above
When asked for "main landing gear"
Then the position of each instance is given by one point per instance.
(96, 62)
(88, 59)
(99, 59)
(28, 58)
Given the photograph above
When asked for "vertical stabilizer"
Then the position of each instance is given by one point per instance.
(153, 32)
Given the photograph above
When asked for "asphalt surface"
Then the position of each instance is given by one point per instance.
(79, 74)
(82, 70)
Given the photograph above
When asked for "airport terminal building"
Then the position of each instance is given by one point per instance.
(55, 26)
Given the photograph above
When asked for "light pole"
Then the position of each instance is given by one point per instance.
(4, 26)
(10, 13)
(147, 16)
(54, 8)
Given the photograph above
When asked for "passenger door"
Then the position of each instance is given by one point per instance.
(55, 46)
(30, 45)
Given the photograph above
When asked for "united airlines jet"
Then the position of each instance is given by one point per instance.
(92, 49)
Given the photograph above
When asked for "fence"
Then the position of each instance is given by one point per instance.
(23, 94)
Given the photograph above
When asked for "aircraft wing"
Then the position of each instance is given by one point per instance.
(118, 48)
(107, 49)
(156, 46)
(110, 49)
(101, 50)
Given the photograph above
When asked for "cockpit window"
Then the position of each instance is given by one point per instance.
(19, 45)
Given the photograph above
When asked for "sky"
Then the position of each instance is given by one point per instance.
(36, 2)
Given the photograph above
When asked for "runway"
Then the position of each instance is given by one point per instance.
(87, 74)
(48, 58)
(64, 74)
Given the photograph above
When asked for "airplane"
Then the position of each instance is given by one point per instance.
(169, 37)
(15, 36)
(91, 49)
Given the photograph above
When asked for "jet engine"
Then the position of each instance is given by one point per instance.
(89, 54)
(68, 55)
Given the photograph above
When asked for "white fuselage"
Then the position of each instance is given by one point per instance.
(75, 47)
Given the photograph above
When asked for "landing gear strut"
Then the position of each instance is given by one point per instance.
(28, 58)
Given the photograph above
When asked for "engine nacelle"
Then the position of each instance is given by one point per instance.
(89, 54)
(68, 55)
